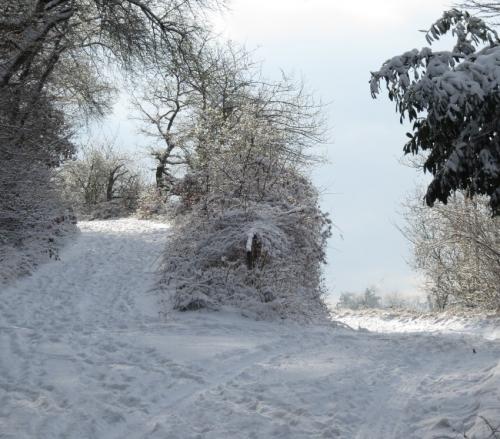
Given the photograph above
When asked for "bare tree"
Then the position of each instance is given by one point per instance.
(164, 104)
(457, 247)
(126, 29)
(100, 175)
(488, 9)
(206, 92)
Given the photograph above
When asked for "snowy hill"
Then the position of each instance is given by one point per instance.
(85, 353)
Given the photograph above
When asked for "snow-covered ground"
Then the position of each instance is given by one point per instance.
(85, 353)
(458, 322)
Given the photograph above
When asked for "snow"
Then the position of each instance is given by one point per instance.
(386, 320)
(85, 353)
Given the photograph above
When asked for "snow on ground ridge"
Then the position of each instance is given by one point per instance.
(393, 321)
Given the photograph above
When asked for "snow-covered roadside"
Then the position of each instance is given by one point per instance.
(37, 249)
(84, 354)
(380, 320)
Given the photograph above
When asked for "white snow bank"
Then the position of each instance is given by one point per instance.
(380, 320)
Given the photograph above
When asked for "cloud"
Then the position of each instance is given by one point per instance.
(310, 18)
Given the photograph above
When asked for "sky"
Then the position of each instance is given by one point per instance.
(333, 45)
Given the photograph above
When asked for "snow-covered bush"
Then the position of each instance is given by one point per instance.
(35, 243)
(366, 300)
(153, 204)
(408, 302)
(33, 218)
(264, 259)
(452, 98)
(250, 233)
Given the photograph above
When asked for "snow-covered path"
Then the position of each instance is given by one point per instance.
(84, 353)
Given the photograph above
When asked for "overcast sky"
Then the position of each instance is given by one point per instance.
(333, 45)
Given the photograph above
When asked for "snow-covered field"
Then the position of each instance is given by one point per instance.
(85, 353)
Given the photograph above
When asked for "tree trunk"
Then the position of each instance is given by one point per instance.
(160, 181)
